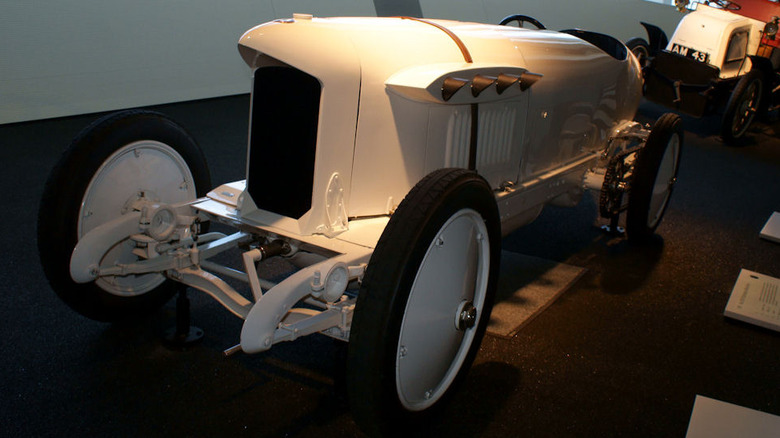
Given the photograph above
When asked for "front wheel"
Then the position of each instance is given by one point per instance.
(425, 301)
(742, 106)
(654, 176)
(116, 161)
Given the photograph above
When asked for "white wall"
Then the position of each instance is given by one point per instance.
(60, 57)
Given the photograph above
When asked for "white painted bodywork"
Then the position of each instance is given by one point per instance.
(382, 129)
(709, 29)
(384, 123)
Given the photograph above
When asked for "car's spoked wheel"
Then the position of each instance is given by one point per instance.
(742, 107)
(425, 301)
(641, 49)
(654, 177)
(117, 161)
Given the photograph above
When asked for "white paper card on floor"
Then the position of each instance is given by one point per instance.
(771, 230)
(716, 419)
(755, 299)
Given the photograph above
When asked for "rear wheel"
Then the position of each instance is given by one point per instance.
(641, 49)
(742, 106)
(425, 301)
(654, 177)
(117, 160)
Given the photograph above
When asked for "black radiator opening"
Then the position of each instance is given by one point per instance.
(283, 143)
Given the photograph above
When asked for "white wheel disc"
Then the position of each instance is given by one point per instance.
(431, 348)
(145, 168)
(664, 181)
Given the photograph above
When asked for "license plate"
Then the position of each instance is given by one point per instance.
(687, 52)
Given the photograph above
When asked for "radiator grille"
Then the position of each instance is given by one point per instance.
(283, 140)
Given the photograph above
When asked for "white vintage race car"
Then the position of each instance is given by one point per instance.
(386, 159)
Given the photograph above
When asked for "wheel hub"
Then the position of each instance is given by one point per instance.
(466, 316)
(133, 176)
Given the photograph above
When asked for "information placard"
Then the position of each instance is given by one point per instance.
(716, 419)
(771, 230)
(755, 299)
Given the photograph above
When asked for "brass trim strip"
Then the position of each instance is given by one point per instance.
(463, 49)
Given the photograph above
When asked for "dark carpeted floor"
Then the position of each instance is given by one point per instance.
(622, 353)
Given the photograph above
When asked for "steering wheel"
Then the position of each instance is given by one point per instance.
(522, 19)
(725, 4)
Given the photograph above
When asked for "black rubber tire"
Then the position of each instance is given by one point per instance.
(58, 213)
(639, 225)
(641, 49)
(522, 19)
(737, 118)
(385, 291)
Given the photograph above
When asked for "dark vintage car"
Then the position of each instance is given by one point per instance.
(724, 56)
